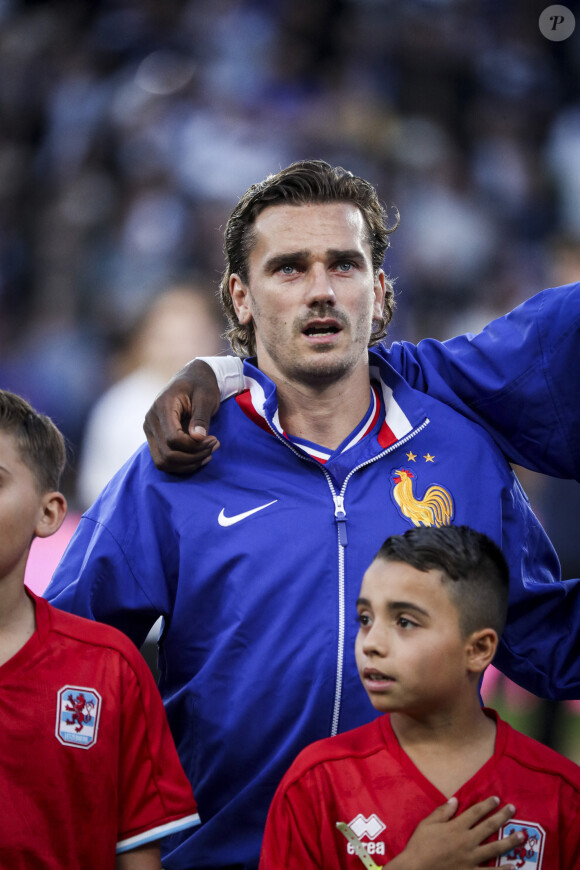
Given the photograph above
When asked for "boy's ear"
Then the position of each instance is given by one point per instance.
(53, 512)
(480, 648)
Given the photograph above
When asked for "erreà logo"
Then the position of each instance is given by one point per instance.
(369, 827)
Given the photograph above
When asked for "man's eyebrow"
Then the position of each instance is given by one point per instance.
(287, 259)
(349, 254)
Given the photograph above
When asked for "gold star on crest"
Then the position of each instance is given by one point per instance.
(411, 456)
(429, 458)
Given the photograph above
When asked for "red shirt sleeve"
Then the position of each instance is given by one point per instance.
(292, 830)
(155, 796)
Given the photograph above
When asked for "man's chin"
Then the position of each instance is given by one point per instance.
(322, 369)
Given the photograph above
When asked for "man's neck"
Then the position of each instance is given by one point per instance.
(324, 414)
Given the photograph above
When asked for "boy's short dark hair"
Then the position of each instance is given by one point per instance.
(40, 444)
(473, 567)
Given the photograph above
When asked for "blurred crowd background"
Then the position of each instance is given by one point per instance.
(128, 128)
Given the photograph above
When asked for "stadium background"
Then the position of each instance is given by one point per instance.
(128, 129)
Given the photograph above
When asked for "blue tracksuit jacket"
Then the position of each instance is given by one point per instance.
(255, 561)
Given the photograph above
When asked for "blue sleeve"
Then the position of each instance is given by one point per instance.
(118, 566)
(518, 377)
(539, 645)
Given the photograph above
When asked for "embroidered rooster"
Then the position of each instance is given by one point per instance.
(434, 509)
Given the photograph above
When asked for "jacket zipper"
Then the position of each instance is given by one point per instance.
(340, 518)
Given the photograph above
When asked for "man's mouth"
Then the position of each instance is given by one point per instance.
(321, 330)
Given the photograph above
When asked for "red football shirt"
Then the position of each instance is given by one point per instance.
(364, 778)
(88, 766)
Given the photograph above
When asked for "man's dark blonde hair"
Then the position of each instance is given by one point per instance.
(308, 181)
(40, 444)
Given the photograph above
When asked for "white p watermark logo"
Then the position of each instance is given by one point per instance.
(557, 23)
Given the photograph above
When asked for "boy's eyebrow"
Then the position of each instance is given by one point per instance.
(407, 605)
(395, 606)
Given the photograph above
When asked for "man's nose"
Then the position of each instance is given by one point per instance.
(320, 287)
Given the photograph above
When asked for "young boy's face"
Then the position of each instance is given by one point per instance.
(410, 652)
(21, 506)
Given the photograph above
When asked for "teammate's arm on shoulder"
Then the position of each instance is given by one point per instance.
(177, 424)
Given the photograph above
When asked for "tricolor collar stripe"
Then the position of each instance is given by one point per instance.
(386, 436)
(322, 454)
(395, 427)
(258, 396)
(245, 402)
(313, 451)
(373, 416)
(395, 418)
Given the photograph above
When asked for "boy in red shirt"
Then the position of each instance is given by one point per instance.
(431, 609)
(89, 774)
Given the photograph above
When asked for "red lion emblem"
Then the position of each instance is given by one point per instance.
(521, 853)
(76, 707)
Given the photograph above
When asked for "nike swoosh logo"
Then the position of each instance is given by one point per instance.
(231, 521)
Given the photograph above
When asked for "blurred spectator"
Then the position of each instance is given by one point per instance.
(180, 323)
(128, 127)
(563, 157)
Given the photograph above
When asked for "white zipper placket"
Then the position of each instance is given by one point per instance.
(340, 517)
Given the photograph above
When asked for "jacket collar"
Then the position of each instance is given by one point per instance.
(403, 413)
(403, 408)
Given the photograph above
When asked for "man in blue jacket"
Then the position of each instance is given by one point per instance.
(331, 448)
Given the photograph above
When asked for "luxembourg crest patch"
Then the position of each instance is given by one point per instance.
(529, 854)
(77, 716)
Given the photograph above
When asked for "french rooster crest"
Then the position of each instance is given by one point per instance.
(434, 509)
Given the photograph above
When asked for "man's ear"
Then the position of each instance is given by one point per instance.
(379, 291)
(52, 514)
(480, 648)
(241, 299)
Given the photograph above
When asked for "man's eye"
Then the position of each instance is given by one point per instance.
(344, 267)
(363, 619)
(287, 270)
